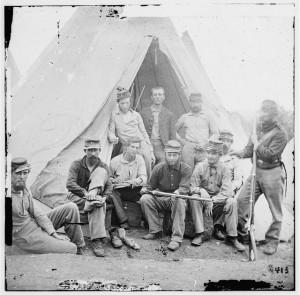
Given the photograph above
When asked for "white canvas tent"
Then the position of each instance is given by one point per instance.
(70, 90)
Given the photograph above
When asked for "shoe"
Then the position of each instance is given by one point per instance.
(80, 251)
(232, 241)
(98, 248)
(217, 234)
(173, 245)
(115, 240)
(271, 248)
(245, 241)
(197, 241)
(153, 236)
(124, 225)
(128, 242)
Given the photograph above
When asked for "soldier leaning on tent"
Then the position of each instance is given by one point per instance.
(269, 144)
(124, 123)
(212, 179)
(89, 185)
(159, 123)
(198, 128)
(128, 175)
(232, 161)
(35, 231)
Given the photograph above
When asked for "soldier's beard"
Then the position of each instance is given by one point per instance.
(92, 160)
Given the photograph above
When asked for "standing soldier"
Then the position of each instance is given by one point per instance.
(199, 127)
(212, 179)
(124, 123)
(171, 176)
(159, 123)
(269, 144)
(232, 161)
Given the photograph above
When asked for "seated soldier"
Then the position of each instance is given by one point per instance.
(35, 231)
(232, 161)
(89, 185)
(171, 176)
(128, 175)
(212, 179)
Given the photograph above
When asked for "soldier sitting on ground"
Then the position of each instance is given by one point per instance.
(35, 231)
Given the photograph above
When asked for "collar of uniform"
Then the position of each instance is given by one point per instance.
(193, 115)
(126, 162)
(83, 162)
(177, 167)
(117, 111)
(162, 107)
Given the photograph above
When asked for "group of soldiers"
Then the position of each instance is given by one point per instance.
(154, 160)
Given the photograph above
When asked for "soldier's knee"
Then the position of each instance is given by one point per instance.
(146, 199)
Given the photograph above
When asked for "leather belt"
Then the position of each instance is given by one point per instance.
(260, 162)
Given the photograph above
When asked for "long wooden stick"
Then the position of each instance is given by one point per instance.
(139, 98)
(252, 244)
(163, 194)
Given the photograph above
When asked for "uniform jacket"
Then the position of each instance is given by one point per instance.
(78, 178)
(270, 150)
(165, 121)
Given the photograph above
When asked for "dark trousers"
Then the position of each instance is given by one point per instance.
(269, 182)
(123, 194)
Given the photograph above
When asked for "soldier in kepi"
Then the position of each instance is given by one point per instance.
(89, 186)
(124, 123)
(269, 142)
(198, 127)
(212, 180)
(232, 161)
(34, 230)
(171, 176)
(159, 123)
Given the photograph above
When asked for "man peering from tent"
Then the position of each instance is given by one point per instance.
(128, 175)
(269, 144)
(171, 176)
(212, 179)
(198, 128)
(89, 185)
(35, 231)
(159, 123)
(232, 161)
(124, 123)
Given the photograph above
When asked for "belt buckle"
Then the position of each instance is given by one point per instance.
(260, 162)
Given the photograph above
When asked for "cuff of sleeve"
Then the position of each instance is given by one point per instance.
(51, 231)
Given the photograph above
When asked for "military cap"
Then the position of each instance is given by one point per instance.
(19, 164)
(214, 144)
(92, 144)
(173, 146)
(226, 134)
(133, 139)
(196, 96)
(270, 107)
(124, 93)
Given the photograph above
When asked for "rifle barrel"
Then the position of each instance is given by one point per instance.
(163, 194)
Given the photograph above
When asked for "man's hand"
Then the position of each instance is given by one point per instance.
(235, 153)
(118, 180)
(208, 208)
(115, 140)
(144, 191)
(255, 141)
(89, 197)
(57, 236)
(195, 190)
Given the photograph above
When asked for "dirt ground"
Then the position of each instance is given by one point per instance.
(212, 266)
